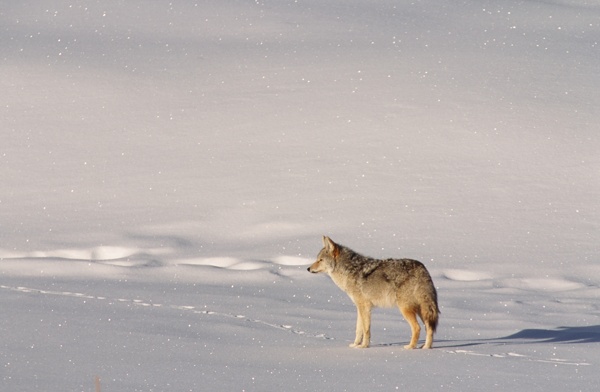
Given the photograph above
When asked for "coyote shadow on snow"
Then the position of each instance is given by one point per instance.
(587, 334)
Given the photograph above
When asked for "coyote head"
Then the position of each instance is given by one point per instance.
(326, 258)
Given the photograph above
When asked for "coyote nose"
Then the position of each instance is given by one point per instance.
(308, 269)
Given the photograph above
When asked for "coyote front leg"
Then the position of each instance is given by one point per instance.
(363, 325)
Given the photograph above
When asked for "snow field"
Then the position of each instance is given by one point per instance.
(168, 169)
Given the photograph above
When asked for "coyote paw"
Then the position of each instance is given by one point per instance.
(359, 345)
(410, 347)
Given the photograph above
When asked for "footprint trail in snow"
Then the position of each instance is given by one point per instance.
(186, 308)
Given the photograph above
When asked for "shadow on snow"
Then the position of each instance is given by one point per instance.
(589, 334)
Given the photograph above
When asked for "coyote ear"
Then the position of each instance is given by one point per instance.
(330, 246)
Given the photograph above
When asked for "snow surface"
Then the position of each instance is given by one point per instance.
(169, 167)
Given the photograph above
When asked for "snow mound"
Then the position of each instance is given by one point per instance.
(465, 275)
(230, 263)
(292, 260)
(541, 284)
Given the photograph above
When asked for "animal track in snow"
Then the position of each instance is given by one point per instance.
(555, 361)
(186, 308)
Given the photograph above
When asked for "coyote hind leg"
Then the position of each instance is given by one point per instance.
(411, 317)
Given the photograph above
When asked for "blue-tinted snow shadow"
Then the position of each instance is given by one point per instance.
(589, 334)
(567, 335)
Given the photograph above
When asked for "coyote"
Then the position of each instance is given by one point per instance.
(369, 282)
